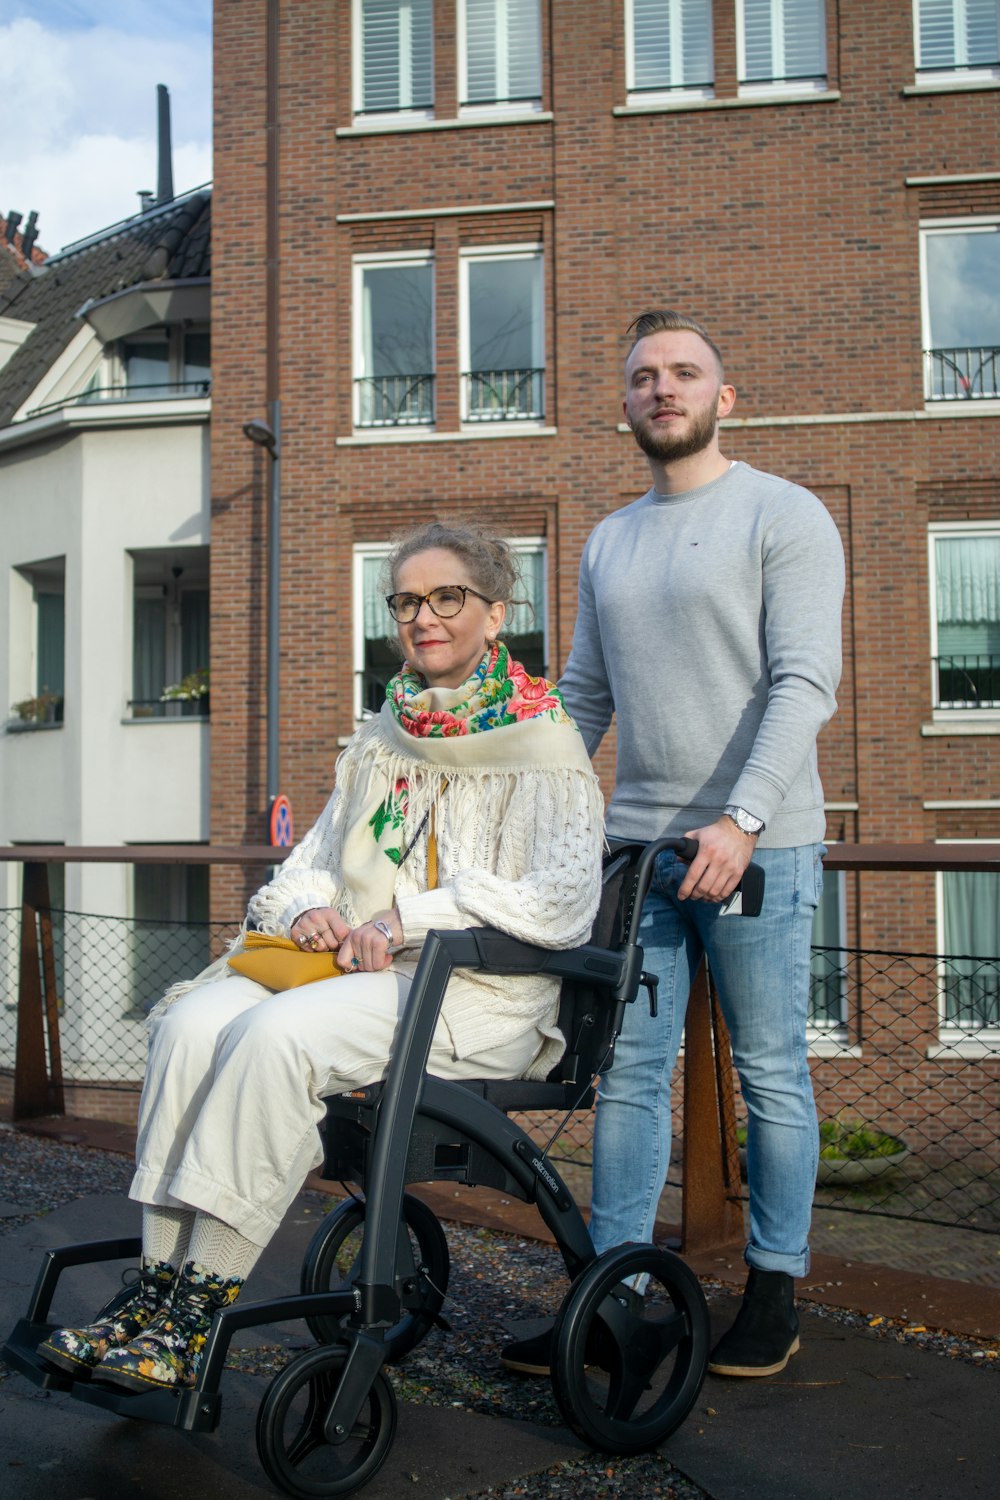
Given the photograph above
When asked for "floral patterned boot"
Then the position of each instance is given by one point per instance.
(167, 1355)
(78, 1351)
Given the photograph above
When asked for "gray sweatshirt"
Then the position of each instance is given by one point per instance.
(709, 624)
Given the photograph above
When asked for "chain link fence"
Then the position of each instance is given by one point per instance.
(905, 1054)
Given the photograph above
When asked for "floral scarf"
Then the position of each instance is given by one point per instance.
(499, 692)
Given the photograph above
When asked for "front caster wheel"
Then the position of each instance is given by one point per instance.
(627, 1367)
(293, 1447)
(422, 1264)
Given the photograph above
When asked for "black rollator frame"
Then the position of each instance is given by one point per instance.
(630, 1345)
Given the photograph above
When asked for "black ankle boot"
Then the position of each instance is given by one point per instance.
(765, 1334)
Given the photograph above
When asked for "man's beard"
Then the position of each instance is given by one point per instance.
(668, 445)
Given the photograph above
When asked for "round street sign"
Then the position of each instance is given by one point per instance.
(281, 822)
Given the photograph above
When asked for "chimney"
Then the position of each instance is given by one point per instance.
(13, 220)
(29, 235)
(164, 164)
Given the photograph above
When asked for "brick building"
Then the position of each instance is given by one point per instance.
(434, 220)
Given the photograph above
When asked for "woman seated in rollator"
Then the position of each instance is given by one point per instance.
(473, 767)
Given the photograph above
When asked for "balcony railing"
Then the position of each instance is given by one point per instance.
(170, 708)
(962, 374)
(395, 400)
(970, 681)
(504, 395)
(155, 391)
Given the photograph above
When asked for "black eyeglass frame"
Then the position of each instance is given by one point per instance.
(458, 588)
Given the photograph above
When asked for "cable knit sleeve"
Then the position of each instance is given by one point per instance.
(535, 867)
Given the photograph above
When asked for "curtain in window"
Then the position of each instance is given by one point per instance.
(671, 44)
(783, 39)
(51, 643)
(149, 649)
(972, 926)
(194, 630)
(397, 52)
(958, 33)
(968, 595)
(503, 51)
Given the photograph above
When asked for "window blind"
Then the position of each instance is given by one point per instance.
(503, 51)
(397, 50)
(783, 39)
(671, 43)
(958, 33)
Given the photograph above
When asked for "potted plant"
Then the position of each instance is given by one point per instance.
(44, 708)
(194, 688)
(851, 1151)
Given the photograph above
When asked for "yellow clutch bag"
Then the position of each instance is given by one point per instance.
(281, 964)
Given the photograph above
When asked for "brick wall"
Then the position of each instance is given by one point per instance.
(789, 228)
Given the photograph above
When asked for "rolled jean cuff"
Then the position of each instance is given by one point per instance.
(774, 1260)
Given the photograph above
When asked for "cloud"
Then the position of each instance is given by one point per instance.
(79, 131)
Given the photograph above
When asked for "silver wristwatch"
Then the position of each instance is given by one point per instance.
(745, 822)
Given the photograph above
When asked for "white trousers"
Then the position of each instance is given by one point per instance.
(236, 1082)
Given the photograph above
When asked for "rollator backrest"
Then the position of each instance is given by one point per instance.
(589, 1018)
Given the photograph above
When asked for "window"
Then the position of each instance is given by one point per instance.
(502, 56)
(376, 658)
(961, 311)
(828, 977)
(394, 63)
(170, 936)
(958, 36)
(781, 42)
(503, 336)
(669, 47)
(394, 343)
(39, 675)
(965, 583)
(170, 634)
(969, 970)
(165, 362)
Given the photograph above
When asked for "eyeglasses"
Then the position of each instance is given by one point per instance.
(445, 602)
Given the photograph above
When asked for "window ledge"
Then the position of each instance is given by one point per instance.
(832, 1045)
(980, 721)
(18, 726)
(951, 86)
(749, 101)
(466, 122)
(172, 722)
(988, 407)
(966, 1049)
(431, 435)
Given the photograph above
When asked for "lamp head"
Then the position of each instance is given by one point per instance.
(260, 433)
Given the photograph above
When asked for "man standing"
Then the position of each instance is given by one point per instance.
(709, 624)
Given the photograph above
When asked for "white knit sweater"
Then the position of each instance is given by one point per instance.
(519, 848)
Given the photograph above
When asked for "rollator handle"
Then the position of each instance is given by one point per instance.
(651, 982)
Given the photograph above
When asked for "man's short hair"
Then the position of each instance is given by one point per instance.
(667, 320)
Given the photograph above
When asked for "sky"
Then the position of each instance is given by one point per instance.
(78, 127)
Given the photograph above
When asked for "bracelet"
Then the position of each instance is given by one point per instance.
(386, 931)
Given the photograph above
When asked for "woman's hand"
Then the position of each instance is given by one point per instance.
(367, 947)
(320, 930)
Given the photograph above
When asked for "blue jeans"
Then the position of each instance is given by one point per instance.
(760, 966)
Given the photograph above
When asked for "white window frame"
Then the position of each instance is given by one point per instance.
(936, 531)
(385, 117)
(467, 257)
(378, 260)
(380, 550)
(980, 224)
(969, 1040)
(675, 92)
(784, 87)
(488, 107)
(958, 71)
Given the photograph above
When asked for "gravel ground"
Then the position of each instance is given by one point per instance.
(496, 1280)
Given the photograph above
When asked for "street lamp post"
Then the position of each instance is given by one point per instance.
(268, 436)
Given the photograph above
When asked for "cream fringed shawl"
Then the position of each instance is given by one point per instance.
(519, 818)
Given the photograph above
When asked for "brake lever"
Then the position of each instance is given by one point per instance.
(651, 982)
